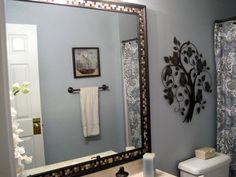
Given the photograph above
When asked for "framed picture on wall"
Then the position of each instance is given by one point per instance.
(86, 62)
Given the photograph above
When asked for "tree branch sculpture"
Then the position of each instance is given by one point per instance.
(185, 77)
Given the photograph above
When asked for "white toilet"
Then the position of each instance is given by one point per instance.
(217, 166)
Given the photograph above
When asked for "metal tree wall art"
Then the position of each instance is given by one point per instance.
(185, 77)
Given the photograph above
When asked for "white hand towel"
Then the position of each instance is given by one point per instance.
(89, 111)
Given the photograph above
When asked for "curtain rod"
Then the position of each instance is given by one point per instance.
(225, 20)
(129, 40)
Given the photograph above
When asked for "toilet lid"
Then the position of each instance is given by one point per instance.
(198, 166)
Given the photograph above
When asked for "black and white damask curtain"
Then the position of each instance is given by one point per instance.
(130, 65)
(225, 56)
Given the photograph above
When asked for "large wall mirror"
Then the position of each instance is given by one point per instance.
(40, 37)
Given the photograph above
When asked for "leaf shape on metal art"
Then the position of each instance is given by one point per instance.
(182, 79)
(175, 58)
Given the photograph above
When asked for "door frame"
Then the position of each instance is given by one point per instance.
(6, 142)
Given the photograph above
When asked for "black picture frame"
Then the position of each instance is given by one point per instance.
(86, 62)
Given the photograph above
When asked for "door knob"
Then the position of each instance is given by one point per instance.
(36, 126)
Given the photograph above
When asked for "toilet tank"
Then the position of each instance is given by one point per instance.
(217, 166)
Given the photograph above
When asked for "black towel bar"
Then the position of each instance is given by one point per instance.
(72, 90)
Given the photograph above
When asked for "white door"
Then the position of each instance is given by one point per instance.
(23, 66)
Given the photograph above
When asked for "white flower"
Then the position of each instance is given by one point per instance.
(19, 151)
(13, 113)
(27, 159)
(25, 84)
(25, 90)
(16, 140)
(11, 95)
(16, 85)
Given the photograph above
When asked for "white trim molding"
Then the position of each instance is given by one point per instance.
(7, 167)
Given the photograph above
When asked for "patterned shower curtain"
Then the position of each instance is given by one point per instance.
(225, 56)
(130, 65)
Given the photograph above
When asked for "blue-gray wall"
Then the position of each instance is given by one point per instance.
(59, 29)
(188, 20)
(128, 25)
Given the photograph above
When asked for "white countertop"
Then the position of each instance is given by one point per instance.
(159, 173)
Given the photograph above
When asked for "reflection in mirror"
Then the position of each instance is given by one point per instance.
(45, 46)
